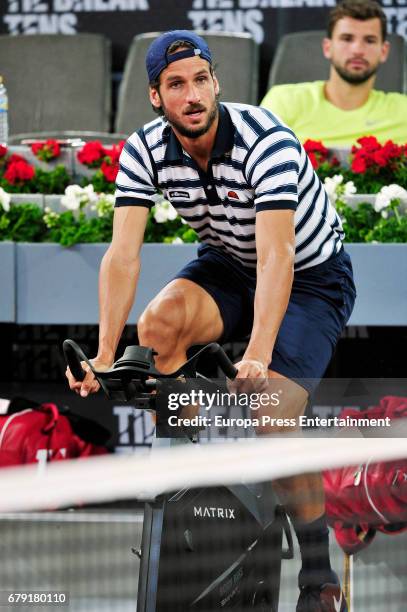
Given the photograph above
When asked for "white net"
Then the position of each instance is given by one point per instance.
(64, 533)
(115, 477)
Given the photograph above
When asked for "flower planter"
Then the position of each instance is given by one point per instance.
(380, 271)
(56, 285)
(54, 203)
(7, 282)
(354, 200)
(28, 198)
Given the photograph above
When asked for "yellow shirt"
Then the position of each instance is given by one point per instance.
(304, 108)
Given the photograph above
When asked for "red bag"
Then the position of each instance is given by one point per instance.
(373, 496)
(40, 435)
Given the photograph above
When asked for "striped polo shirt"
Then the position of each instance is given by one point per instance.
(257, 164)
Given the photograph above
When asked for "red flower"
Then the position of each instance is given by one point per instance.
(110, 164)
(112, 155)
(53, 146)
(370, 143)
(315, 146)
(392, 150)
(359, 165)
(18, 172)
(115, 151)
(47, 150)
(92, 154)
(16, 158)
(3, 151)
(313, 159)
(36, 146)
(380, 158)
(374, 156)
(316, 151)
(110, 171)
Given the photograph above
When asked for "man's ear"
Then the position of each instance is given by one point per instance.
(155, 97)
(216, 84)
(385, 51)
(326, 48)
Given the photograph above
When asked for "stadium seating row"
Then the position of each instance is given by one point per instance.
(61, 85)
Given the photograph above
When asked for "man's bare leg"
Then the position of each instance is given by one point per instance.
(181, 315)
(303, 494)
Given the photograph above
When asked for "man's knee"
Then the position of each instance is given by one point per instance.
(162, 323)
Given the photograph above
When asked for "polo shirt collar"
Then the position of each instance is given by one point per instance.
(224, 139)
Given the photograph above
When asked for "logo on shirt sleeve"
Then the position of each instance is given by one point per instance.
(175, 193)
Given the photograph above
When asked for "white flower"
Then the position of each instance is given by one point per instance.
(77, 196)
(160, 214)
(164, 211)
(109, 198)
(387, 194)
(331, 186)
(70, 203)
(72, 198)
(349, 188)
(384, 214)
(177, 240)
(336, 189)
(172, 213)
(90, 193)
(5, 199)
(104, 204)
(73, 191)
(330, 189)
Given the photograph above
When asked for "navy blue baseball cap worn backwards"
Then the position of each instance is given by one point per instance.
(157, 57)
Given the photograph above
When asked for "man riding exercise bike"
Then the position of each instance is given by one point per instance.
(271, 263)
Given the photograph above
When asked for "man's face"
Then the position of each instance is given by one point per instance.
(356, 49)
(188, 96)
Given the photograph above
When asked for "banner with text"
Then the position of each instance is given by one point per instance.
(120, 20)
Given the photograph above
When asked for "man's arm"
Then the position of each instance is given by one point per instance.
(118, 278)
(275, 244)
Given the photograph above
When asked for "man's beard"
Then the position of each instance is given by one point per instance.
(355, 78)
(191, 133)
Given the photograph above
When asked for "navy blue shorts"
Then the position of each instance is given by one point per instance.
(320, 305)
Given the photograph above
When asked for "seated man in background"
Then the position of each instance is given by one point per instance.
(346, 107)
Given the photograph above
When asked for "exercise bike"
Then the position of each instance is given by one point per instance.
(202, 549)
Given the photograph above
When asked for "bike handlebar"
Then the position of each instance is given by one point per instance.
(73, 357)
(129, 375)
(222, 359)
